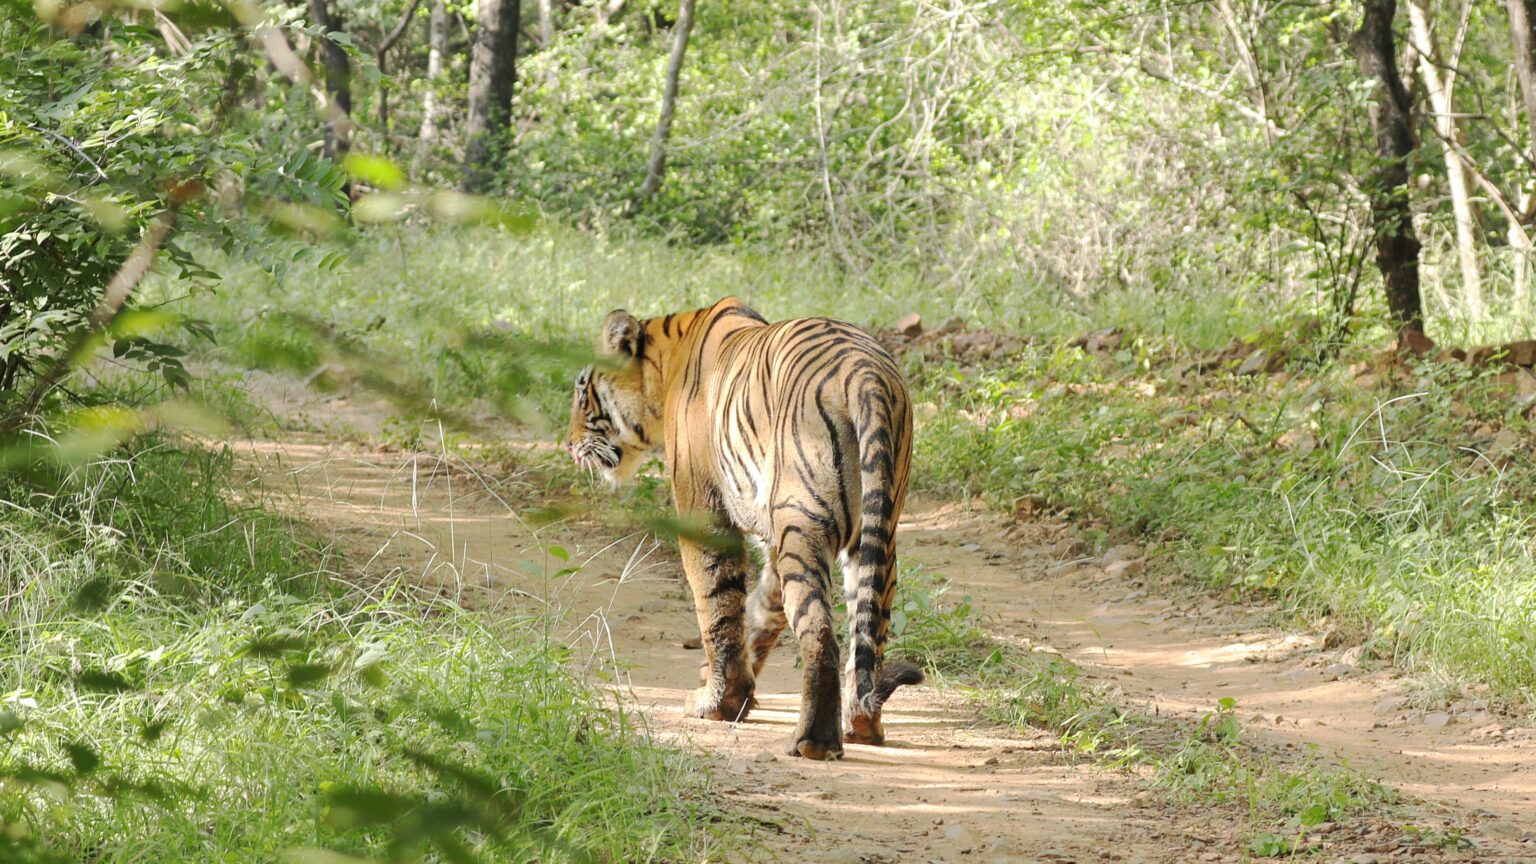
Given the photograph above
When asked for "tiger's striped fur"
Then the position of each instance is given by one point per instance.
(799, 435)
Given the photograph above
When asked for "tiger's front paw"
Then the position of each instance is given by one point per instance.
(708, 704)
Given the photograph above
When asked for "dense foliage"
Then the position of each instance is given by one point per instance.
(174, 655)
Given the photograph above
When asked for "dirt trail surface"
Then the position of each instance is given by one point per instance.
(947, 787)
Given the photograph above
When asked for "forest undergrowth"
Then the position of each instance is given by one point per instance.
(1386, 499)
(188, 674)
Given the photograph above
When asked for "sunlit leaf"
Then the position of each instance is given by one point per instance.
(315, 855)
(305, 218)
(375, 170)
(139, 323)
(379, 207)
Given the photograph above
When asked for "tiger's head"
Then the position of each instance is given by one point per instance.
(615, 420)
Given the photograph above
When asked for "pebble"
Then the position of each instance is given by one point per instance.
(959, 834)
(1438, 719)
(970, 547)
(1504, 829)
(1126, 569)
(1390, 704)
(1124, 552)
(764, 756)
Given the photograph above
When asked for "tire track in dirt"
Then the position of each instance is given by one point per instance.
(947, 787)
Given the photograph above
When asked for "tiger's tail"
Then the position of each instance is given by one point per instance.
(883, 419)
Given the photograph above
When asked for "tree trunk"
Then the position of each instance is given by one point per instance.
(381, 56)
(1397, 248)
(657, 165)
(546, 24)
(1441, 89)
(492, 74)
(437, 43)
(1522, 25)
(338, 80)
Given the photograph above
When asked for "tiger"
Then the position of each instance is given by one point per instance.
(796, 435)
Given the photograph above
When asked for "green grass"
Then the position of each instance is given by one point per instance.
(183, 679)
(1203, 763)
(465, 309)
(1356, 502)
(1368, 505)
(936, 627)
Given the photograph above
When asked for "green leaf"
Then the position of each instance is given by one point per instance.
(304, 674)
(375, 171)
(103, 681)
(82, 756)
(1316, 814)
(1269, 846)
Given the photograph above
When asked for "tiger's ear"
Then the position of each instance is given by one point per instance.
(622, 334)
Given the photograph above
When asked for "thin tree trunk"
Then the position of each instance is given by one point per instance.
(1522, 25)
(546, 24)
(1441, 90)
(437, 43)
(381, 56)
(657, 165)
(338, 80)
(606, 9)
(492, 74)
(1250, 66)
(1397, 247)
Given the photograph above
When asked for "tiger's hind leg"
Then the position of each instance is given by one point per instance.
(802, 563)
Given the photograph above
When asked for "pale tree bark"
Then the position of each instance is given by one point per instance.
(437, 46)
(606, 9)
(1522, 25)
(492, 74)
(1250, 66)
(1439, 75)
(1397, 247)
(657, 165)
(338, 81)
(546, 24)
(381, 59)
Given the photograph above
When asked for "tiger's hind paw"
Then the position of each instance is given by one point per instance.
(810, 748)
(864, 730)
(705, 704)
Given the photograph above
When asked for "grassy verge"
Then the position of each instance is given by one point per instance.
(1395, 508)
(181, 679)
(462, 308)
(1203, 763)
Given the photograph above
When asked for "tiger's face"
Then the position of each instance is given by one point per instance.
(614, 425)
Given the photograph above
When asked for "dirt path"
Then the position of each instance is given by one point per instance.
(946, 788)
